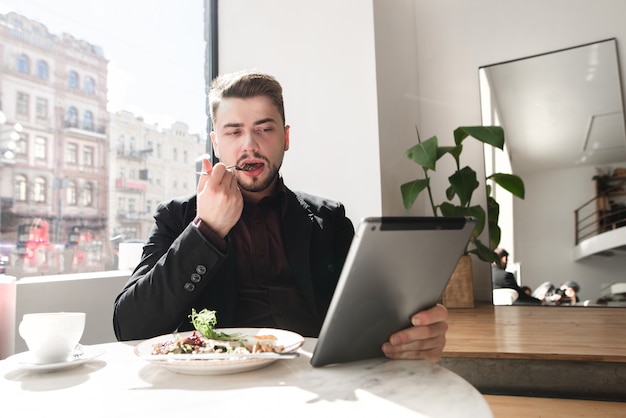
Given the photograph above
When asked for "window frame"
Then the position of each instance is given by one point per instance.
(22, 103)
(42, 70)
(73, 80)
(40, 148)
(40, 190)
(23, 64)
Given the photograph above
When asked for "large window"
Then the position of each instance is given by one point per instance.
(95, 90)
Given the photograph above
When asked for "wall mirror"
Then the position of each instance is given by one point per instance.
(562, 113)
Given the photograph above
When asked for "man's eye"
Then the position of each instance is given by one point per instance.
(235, 132)
(266, 129)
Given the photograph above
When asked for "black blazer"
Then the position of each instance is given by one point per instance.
(180, 269)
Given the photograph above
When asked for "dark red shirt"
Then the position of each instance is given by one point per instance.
(266, 291)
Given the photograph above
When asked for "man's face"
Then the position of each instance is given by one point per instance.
(251, 131)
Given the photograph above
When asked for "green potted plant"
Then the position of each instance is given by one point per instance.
(463, 182)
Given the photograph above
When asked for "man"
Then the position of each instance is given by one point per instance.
(502, 279)
(245, 245)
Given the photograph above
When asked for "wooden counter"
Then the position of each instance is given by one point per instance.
(544, 351)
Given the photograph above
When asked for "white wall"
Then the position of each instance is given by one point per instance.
(455, 37)
(323, 54)
(359, 75)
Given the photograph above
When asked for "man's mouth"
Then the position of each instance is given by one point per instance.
(249, 166)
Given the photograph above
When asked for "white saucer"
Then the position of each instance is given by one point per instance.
(81, 355)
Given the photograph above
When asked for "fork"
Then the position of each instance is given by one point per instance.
(236, 167)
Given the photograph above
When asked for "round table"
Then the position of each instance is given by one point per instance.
(118, 383)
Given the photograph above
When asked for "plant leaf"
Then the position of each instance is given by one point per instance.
(493, 215)
(454, 151)
(424, 153)
(483, 252)
(463, 182)
(448, 209)
(411, 190)
(510, 182)
(492, 135)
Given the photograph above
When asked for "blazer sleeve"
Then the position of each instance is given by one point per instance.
(177, 264)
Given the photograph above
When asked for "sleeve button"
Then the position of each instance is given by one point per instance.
(196, 278)
(200, 269)
(189, 287)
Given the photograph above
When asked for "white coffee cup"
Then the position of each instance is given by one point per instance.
(52, 336)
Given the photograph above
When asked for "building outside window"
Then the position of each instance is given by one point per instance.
(91, 205)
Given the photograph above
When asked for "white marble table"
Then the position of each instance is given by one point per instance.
(118, 383)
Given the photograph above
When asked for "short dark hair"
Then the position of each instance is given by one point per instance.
(245, 84)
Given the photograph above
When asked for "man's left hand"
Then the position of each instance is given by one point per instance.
(426, 339)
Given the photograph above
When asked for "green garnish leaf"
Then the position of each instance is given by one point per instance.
(204, 322)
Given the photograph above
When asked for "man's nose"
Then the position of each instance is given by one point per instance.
(249, 141)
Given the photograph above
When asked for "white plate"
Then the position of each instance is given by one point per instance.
(83, 354)
(289, 340)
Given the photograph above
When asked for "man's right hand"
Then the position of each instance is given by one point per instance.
(220, 202)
